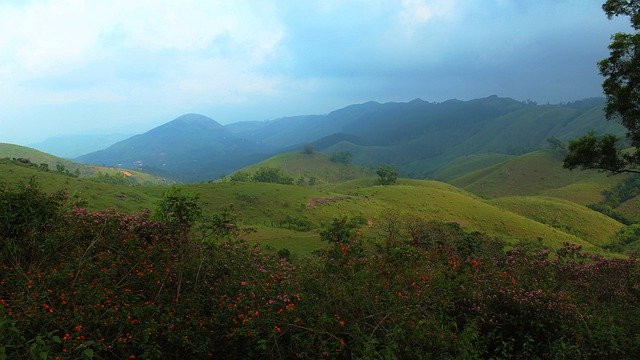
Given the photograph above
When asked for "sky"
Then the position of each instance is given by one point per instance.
(71, 67)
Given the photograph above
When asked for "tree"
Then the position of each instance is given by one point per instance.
(308, 149)
(271, 175)
(341, 157)
(621, 87)
(387, 175)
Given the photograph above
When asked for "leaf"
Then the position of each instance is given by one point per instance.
(44, 355)
(88, 353)
(56, 339)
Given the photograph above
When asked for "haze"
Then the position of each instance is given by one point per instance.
(81, 67)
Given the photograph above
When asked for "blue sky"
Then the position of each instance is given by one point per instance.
(124, 66)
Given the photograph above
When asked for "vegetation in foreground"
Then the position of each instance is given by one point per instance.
(82, 284)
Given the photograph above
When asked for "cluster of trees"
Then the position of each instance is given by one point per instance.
(179, 284)
(264, 174)
(621, 71)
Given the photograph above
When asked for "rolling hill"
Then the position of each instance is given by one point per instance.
(536, 173)
(270, 208)
(420, 138)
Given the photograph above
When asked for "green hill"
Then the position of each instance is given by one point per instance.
(467, 164)
(37, 158)
(306, 166)
(276, 210)
(563, 215)
(537, 173)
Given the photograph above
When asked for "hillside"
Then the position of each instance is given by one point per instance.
(53, 163)
(563, 215)
(536, 173)
(278, 210)
(304, 167)
(190, 148)
(420, 138)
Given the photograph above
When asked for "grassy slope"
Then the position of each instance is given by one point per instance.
(536, 173)
(39, 157)
(264, 205)
(316, 165)
(467, 164)
(563, 215)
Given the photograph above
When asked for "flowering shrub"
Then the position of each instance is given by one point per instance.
(113, 285)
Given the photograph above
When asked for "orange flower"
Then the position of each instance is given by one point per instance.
(277, 328)
(66, 337)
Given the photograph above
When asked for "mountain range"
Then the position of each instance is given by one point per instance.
(418, 137)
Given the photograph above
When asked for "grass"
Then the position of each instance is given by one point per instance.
(467, 164)
(86, 171)
(536, 173)
(265, 206)
(316, 165)
(564, 215)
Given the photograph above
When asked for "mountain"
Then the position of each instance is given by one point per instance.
(190, 148)
(76, 145)
(419, 137)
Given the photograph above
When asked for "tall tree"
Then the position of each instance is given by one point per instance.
(621, 87)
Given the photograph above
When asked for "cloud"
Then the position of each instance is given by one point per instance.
(421, 11)
(53, 42)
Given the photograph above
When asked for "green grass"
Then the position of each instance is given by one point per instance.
(467, 164)
(536, 173)
(265, 206)
(317, 165)
(564, 215)
(86, 171)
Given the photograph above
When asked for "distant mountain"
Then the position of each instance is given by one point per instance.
(190, 148)
(73, 146)
(418, 137)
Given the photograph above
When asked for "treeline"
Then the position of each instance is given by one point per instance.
(179, 283)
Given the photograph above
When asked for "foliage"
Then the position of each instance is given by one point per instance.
(341, 157)
(177, 209)
(308, 149)
(387, 175)
(115, 179)
(104, 287)
(271, 175)
(240, 176)
(621, 86)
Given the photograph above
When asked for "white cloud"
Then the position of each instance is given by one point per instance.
(416, 12)
(216, 43)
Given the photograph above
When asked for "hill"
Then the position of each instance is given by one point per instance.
(290, 216)
(564, 215)
(315, 168)
(536, 173)
(54, 163)
(418, 137)
(190, 148)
